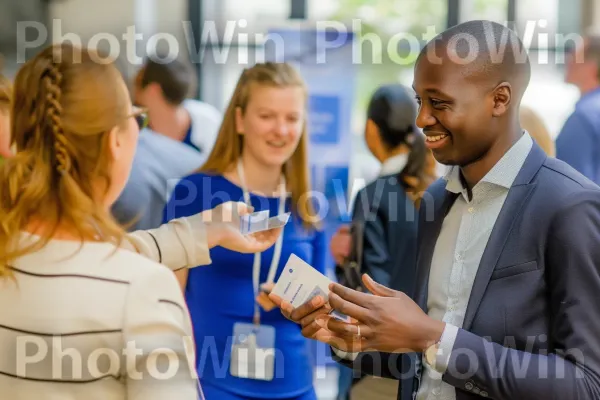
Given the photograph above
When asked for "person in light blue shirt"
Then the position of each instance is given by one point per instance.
(159, 162)
(259, 157)
(163, 86)
(578, 143)
(179, 137)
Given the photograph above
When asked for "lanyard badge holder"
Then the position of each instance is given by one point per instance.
(253, 347)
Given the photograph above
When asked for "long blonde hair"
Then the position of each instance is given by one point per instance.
(65, 103)
(532, 123)
(228, 146)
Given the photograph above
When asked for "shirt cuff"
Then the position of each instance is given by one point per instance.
(344, 354)
(442, 358)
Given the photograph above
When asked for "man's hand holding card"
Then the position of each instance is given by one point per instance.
(374, 322)
(302, 294)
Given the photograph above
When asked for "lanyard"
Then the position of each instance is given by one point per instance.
(278, 244)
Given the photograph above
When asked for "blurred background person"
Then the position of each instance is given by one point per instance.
(75, 133)
(5, 101)
(164, 88)
(259, 157)
(179, 137)
(387, 210)
(578, 143)
(533, 123)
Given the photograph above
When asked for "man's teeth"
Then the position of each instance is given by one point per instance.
(434, 138)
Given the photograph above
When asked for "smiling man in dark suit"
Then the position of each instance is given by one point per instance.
(508, 277)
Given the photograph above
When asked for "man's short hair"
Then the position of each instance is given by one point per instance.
(176, 78)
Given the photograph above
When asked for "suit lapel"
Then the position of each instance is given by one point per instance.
(508, 217)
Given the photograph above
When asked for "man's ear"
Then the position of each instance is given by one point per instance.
(154, 90)
(502, 96)
(239, 121)
(115, 144)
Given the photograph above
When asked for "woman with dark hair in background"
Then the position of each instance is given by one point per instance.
(386, 210)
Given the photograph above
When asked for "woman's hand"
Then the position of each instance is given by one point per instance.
(340, 244)
(223, 229)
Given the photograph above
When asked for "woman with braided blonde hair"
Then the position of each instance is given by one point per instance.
(71, 286)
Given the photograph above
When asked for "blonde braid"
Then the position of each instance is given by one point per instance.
(53, 80)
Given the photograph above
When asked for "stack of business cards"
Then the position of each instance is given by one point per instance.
(300, 282)
(260, 221)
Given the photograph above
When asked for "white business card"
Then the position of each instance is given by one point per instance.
(254, 222)
(260, 221)
(278, 221)
(300, 282)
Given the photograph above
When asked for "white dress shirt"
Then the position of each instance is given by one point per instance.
(460, 245)
(463, 238)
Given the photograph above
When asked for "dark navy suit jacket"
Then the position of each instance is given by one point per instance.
(389, 220)
(532, 326)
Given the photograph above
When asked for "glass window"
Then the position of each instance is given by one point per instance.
(390, 35)
(493, 10)
(232, 35)
(548, 29)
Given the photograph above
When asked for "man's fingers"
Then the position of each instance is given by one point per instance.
(345, 329)
(323, 311)
(286, 309)
(310, 331)
(350, 309)
(341, 343)
(351, 295)
(377, 288)
(307, 308)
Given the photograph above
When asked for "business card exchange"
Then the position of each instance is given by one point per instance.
(300, 282)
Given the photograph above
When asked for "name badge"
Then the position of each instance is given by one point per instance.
(253, 352)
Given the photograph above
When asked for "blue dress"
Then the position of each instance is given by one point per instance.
(220, 295)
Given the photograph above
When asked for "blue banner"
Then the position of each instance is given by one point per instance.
(324, 59)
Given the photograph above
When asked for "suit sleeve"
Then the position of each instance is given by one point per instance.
(385, 365)
(376, 258)
(571, 370)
